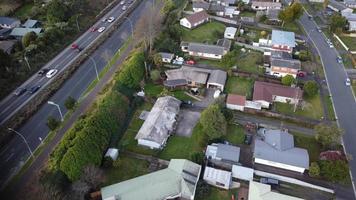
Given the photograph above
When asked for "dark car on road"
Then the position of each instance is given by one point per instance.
(43, 72)
(248, 139)
(20, 91)
(269, 181)
(34, 89)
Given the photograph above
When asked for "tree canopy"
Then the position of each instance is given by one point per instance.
(213, 122)
(288, 80)
(310, 88)
(291, 13)
(337, 22)
(328, 135)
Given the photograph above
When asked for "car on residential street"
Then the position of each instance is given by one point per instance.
(339, 59)
(51, 73)
(111, 19)
(42, 72)
(124, 7)
(34, 89)
(347, 82)
(191, 62)
(101, 29)
(104, 19)
(20, 91)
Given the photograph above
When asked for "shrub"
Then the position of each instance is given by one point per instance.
(288, 80)
(314, 169)
(70, 103)
(335, 171)
(133, 70)
(310, 88)
(213, 122)
(155, 75)
(52, 123)
(108, 162)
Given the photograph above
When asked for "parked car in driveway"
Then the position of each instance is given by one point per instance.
(51, 73)
(34, 89)
(42, 72)
(19, 91)
(111, 19)
(347, 82)
(269, 181)
(101, 29)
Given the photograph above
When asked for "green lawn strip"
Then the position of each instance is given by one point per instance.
(127, 168)
(221, 194)
(307, 142)
(247, 14)
(112, 61)
(235, 134)
(239, 85)
(313, 108)
(247, 61)
(25, 10)
(152, 89)
(207, 33)
(180, 94)
(211, 63)
(293, 27)
(329, 104)
(349, 42)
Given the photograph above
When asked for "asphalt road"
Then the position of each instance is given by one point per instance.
(342, 96)
(12, 103)
(15, 153)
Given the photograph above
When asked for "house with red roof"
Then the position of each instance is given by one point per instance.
(268, 93)
(235, 102)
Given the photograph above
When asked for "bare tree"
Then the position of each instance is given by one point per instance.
(79, 189)
(92, 175)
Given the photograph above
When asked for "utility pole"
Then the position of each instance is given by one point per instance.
(59, 109)
(24, 139)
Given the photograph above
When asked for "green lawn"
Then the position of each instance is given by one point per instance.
(235, 134)
(293, 27)
(219, 194)
(330, 107)
(247, 14)
(248, 62)
(153, 90)
(309, 143)
(128, 168)
(350, 42)
(24, 11)
(180, 94)
(239, 85)
(207, 33)
(313, 108)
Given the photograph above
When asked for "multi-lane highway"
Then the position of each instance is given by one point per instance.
(12, 103)
(15, 153)
(342, 96)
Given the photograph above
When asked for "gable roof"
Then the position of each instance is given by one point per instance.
(179, 179)
(225, 152)
(260, 191)
(284, 38)
(217, 76)
(288, 63)
(8, 20)
(30, 23)
(278, 146)
(266, 4)
(226, 43)
(217, 175)
(166, 55)
(230, 30)
(197, 17)
(236, 99)
(272, 14)
(22, 31)
(206, 48)
(266, 91)
(160, 121)
(201, 4)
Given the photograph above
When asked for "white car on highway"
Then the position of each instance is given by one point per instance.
(101, 29)
(347, 82)
(51, 73)
(111, 19)
(122, 2)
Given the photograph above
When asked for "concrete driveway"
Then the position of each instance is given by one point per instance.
(186, 122)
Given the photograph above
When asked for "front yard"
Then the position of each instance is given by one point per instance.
(312, 108)
(153, 90)
(206, 33)
(309, 143)
(349, 42)
(249, 61)
(240, 86)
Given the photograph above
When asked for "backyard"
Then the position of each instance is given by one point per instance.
(312, 108)
(206, 33)
(309, 143)
(240, 86)
(215, 193)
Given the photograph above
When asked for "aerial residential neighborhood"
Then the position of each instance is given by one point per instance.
(178, 99)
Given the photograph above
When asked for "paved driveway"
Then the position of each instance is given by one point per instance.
(186, 122)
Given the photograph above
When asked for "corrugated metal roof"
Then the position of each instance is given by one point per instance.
(206, 48)
(22, 31)
(284, 38)
(30, 23)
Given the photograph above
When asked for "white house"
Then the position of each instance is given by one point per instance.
(350, 17)
(200, 6)
(242, 173)
(204, 50)
(230, 32)
(281, 67)
(350, 3)
(316, 1)
(217, 177)
(276, 148)
(167, 57)
(159, 123)
(195, 19)
(264, 5)
(260, 191)
(267, 93)
(231, 11)
(222, 154)
(235, 102)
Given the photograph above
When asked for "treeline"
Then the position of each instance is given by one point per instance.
(85, 143)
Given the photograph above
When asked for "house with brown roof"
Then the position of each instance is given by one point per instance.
(267, 93)
(235, 102)
(195, 19)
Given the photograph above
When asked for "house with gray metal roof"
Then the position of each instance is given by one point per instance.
(178, 180)
(166, 57)
(200, 6)
(283, 40)
(276, 148)
(208, 51)
(281, 67)
(9, 23)
(223, 155)
(18, 33)
(31, 23)
(160, 123)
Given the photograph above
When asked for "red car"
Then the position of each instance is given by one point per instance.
(191, 62)
(301, 74)
(75, 46)
(93, 29)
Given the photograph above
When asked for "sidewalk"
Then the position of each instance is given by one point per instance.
(30, 177)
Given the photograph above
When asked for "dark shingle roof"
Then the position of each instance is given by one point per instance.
(265, 91)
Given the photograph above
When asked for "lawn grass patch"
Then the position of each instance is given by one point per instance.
(181, 95)
(247, 14)
(248, 61)
(127, 168)
(239, 85)
(309, 143)
(24, 11)
(215, 194)
(312, 109)
(349, 41)
(206, 33)
(152, 89)
(329, 104)
(293, 27)
(235, 134)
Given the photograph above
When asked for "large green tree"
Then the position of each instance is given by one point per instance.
(310, 88)
(56, 11)
(328, 135)
(337, 22)
(291, 13)
(213, 122)
(133, 70)
(28, 38)
(288, 80)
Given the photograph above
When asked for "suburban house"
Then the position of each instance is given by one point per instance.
(195, 19)
(18, 33)
(269, 55)
(265, 5)
(159, 123)
(230, 33)
(350, 3)
(267, 93)
(207, 50)
(178, 181)
(281, 67)
(223, 2)
(350, 17)
(166, 57)
(217, 177)
(200, 6)
(242, 173)
(272, 16)
(196, 77)
(9, 23)
(316, 1)
(231, 11)
(235, 102)
(283, 41)
(276, 148)
(260, 191)
(223, 155)
(30, 23)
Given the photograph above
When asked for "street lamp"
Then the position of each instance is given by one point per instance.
(96, 69)
(59, 109)
(28, 64)
(132, 31)
(24, 139)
